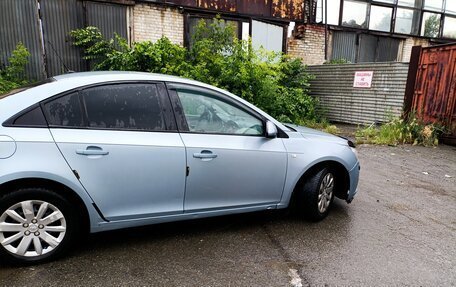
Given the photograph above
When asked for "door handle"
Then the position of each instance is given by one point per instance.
(92, 150)
(205, 154)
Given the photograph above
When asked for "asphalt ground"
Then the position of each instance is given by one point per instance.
(399, 230)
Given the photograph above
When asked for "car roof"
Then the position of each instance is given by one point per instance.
(80, 79)
(101, 76)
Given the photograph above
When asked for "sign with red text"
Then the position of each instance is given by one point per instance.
(363, 79)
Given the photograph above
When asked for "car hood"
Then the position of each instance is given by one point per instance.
(312, 134)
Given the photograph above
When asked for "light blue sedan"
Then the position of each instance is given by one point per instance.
(96, 151)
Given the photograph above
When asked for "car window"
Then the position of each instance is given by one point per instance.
(125, 106)
(64, 111)
(32, 118)
(206, 114)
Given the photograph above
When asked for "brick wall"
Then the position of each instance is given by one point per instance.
(408, 44)
(151, 22)
(308, 43)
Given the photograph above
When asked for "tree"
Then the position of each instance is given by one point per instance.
(431, 26)
(274, 82)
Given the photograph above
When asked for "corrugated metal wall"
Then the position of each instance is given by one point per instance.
(367, 48)
(19, 23)
(360, 48)
(110, 18)
(344, 46)
(333, 85)
(387, 49)
(59, 18)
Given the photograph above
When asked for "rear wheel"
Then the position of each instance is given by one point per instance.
(35, 225)
(317, 194)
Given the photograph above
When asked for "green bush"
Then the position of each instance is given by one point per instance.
(160, 57)
(13, 74)
(274, 82)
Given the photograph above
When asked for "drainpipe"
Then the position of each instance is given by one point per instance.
(326, 30)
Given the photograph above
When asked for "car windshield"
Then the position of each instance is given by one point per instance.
(26, 87)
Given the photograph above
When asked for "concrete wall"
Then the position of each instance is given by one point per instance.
(333, 85)
(151, 22)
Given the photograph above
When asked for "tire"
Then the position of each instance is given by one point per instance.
(36, 225)
(316, 195)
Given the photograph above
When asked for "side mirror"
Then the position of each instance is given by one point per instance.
(271, 130)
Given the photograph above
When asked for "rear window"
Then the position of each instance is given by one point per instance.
(30, 117)
(126, 106)
(26, 87)
(116, 107)
(65, 111)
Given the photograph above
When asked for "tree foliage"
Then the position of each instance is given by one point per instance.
(431, 26)
(12, 75)
(274, 82)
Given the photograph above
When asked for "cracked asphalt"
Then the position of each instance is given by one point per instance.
(399, 230)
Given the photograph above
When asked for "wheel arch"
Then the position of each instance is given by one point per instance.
(67, 192)
(340, 172)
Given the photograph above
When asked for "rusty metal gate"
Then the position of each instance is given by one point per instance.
(431, 86)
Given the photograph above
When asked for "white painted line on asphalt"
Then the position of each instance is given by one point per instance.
(295, 281)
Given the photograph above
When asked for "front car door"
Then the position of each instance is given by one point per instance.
(122, 142)
(231, 163)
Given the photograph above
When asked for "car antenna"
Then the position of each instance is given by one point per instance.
(67, 70)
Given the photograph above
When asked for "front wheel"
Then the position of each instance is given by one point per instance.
(35, 225)
(317, 194)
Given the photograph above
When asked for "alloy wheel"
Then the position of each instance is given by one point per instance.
(325, 192)
(32, 228)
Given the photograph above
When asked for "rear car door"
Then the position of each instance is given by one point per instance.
(121, 141)
(231, 163)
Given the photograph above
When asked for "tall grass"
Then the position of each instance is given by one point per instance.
(409, 130)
